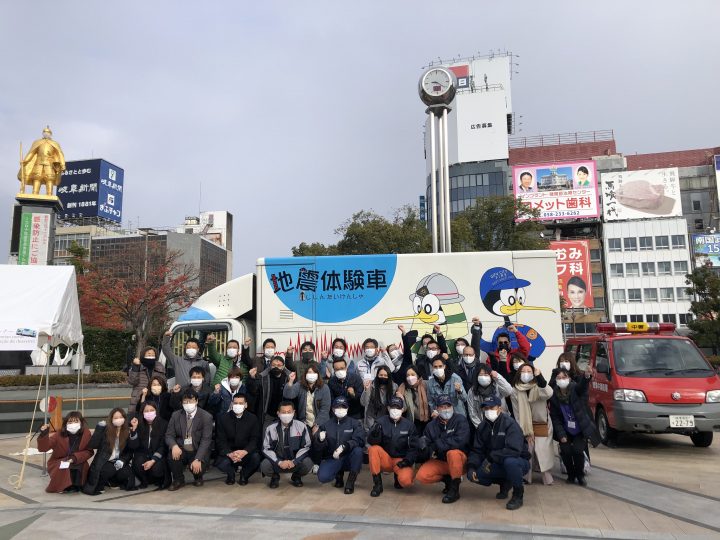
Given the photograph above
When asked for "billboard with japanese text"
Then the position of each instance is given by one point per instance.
(706, 250)
(559, 190)
(574, 273)
(91, 188)
(642, 194)
(34, 238)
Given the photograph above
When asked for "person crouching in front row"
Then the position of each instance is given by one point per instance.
(147, 441)
(112, 461)
(286, 447)
(237, 440)
(67, 466)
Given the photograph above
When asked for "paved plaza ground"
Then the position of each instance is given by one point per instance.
(648, 487)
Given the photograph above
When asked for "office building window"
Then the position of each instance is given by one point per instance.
(696, 201)
(621, 318)
(632, 269)
(630, 244)
(616, 270)
(614, 244)
(599, 302)
(699, 225)
(650, 295)
(669, 317)
(634, 295)
(678, 241)
(646, 243)
(594, 255)
(618, 295)
(597, 279)
(662, 242)
(667, 294)
(652, 318)
(682, 293)
(685, 318)
(648, 268)
(681, 267)
(636, 318)
(664, 268)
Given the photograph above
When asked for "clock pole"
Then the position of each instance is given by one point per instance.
(433, 185)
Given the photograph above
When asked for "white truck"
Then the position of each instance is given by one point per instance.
(298, 299)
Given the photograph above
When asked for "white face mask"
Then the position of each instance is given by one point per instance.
(431, 353)
(232, 353)
(189, 407)
(338, 353)
(156, 390)
(562, 383)
(340, 413)
(491, 414)
(526, 377)
(394, 354)
(484, 380)
(468, 359)
(395, 414)
(439, 372)
(191, 353)
(72, 427)
(118, 422)
(369, 353)
(196, 382)
(446, 414)
(235, 381)
(565, 365)
(311, 377)
(238, 408)
(411, 380)
(269, 353)
(286, 418)
(341, 374)
(459, 349)
(516, 365)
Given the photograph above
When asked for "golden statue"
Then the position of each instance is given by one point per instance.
(43, 164)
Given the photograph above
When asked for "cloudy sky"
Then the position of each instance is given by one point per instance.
(293, 115)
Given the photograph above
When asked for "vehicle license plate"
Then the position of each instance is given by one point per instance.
(682, 421)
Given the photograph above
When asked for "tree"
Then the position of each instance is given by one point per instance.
(79, 257)
(490, 225)
(367, 233)
(704, 283)
(128, 291)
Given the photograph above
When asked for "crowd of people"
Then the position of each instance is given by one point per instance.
(432, 417)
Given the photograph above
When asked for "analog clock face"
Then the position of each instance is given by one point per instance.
(437, 82)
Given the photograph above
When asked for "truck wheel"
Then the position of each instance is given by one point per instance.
(702, 439)
(608, 435)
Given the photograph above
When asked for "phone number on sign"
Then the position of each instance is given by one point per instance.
(561, 213)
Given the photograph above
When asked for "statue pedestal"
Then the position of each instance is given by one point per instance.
(33, 230)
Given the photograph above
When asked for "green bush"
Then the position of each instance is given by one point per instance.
(107, 377)
(106, 350)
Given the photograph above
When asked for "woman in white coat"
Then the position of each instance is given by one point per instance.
(530, 395)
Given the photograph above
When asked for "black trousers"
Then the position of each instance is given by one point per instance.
(250, 464)
(571, 452)
(177, 467)
(108, 474)
(154, 474)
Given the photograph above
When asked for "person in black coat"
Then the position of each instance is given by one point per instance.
(112, 460)
(572, 425)
(347, 385)
(499, 453)
(147, 441)
(157, 394)
(236, 441)
(266, 390)
(207, 398)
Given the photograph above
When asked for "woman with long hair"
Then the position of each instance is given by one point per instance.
(147, 442)
(112, 461)
(414, 392)
(312, 395)
(67, 466)
(156, 393)
(376, 395)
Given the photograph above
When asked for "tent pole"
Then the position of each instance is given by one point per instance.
(45, 413)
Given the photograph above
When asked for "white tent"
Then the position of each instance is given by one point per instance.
(39, 305)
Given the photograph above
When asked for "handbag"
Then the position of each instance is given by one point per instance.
(540, 429)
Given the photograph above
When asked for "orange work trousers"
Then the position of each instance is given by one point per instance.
(434, 469)
(380, 461)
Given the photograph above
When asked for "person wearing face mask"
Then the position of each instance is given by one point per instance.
(530, 395)
(409, 340)
(348, 385)
(269, 351)
(147, 442)
(502, 358)
(567, 362)
(445, 383)
(393, 446)
(400, 363)
(488, 383)
(468, 365)
(67, 465)
(339, 443)
(183, 364)
(189, 438)
(112, 460)
(198, 383)
(286, 447)
(142, 369)
(373, 358)
(307, 359)
(444, 444)
(499, 454)
(236, 440)
(572, 425)
(234, 357)
(229, 387)
(156, 393)
(337, 352)
(376, 395)
(414, 393)
(266, 388)
(312, 395)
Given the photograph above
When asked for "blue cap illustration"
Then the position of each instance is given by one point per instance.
(499, 279)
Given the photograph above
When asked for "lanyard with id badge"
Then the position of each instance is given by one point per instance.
(188, 442)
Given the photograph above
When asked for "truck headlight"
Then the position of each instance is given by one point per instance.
(629, 395)
(713, 396)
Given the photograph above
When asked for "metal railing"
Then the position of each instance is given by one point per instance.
(561, 138)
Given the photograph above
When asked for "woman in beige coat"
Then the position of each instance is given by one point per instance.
(530, 395)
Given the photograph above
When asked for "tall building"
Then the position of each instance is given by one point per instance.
(214, 225)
